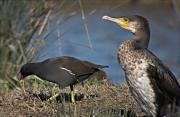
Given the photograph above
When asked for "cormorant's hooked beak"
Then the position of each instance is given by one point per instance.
(122, 22)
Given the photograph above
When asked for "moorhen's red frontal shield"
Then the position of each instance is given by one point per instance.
(21, 77)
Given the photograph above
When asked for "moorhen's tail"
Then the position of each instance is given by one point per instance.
(103, 66)
(94, 65)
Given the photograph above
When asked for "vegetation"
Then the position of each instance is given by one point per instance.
(98, 99)
(22, 27)
(19, 21)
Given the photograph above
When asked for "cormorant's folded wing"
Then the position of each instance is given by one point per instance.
(165, 80)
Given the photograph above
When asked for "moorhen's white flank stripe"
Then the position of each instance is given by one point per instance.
(63, 68)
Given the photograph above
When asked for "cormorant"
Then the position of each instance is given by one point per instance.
(64, 71)
(151, 83)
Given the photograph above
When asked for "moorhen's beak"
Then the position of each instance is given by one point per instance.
(21, 77)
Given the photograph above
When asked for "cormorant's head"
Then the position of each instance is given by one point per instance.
(132, 23)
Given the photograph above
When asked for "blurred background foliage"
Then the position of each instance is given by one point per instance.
(19, 20)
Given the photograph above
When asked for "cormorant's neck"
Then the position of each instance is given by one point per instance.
(142, 37)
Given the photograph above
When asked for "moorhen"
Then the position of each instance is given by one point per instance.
(64, 71)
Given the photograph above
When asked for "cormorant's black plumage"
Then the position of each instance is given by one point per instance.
(151, 83)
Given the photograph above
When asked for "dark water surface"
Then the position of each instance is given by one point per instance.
(70, 37)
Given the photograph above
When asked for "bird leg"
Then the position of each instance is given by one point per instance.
(21, 82)
(72, 94)
(54, 96)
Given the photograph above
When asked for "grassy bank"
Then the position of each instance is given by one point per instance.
(92, 100)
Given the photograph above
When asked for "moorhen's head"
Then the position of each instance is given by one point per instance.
(25, 71)
(132, 23)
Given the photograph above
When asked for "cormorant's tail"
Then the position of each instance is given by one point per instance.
(175, 108)
(170, 109)
(178, 108)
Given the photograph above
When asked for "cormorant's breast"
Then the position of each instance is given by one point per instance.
(151, 82)
(135, 64)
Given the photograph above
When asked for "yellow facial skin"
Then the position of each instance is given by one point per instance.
(122, 22)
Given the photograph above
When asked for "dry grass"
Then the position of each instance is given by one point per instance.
(96, 100)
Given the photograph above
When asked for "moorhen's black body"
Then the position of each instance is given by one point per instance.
(151, 83)
(64, 71)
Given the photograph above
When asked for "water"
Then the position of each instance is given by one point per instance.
(105, 38)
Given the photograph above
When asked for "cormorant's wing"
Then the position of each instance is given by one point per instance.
(165, 80)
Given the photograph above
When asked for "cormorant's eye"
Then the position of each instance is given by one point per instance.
(125, 19)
